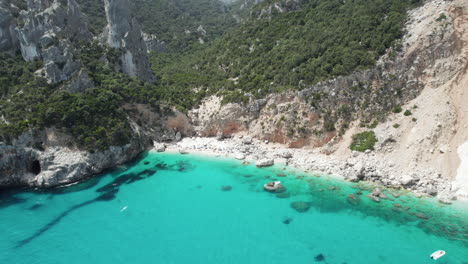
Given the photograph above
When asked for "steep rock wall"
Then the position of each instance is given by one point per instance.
(124, 32)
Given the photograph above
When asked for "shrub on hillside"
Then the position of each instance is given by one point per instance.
(363, 141)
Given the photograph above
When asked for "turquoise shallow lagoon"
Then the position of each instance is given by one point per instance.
(170, 208)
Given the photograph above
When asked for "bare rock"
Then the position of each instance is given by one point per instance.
(264, 163)
(247, 140)
(159, 147)
(239, 157)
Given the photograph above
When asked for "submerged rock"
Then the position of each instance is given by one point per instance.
(226, 188)
(353, 199)
(301, 207)
(376, 195)
(287, 220)
(319, 257)
(422, 216)
(283, 195)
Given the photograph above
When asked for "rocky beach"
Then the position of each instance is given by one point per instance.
(366, 166)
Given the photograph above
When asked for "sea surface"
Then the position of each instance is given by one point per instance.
(172, 208)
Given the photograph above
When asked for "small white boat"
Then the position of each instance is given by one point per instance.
(124, 208)
(437, 254)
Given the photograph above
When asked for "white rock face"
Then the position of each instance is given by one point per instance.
(124, 33)
(461, 181)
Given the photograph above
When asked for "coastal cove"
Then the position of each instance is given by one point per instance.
(186, 208)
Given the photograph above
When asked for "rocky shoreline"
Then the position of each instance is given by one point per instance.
(369, 166)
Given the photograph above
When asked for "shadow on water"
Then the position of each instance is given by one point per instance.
(107, 192)
(103, 197)
(9, 198)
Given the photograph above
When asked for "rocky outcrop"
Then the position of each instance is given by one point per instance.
(48, 31)
(8, 40)
(53, 31)
(153, 43)
(49, 164)
(123, 32)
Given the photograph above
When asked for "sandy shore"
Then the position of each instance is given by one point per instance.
(369, 166)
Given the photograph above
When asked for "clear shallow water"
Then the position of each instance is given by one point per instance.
(176, 212)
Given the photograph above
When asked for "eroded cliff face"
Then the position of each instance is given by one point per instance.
(24, 165)
(123, 32)
(45, 158)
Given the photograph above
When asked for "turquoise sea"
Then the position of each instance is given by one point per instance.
(172, 208)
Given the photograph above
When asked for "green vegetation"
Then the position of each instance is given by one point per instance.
(374, 124)
(397, 109)
(407, 113)
(94, 9)
(321, 40)
(441, 17)
(176, 21)
(291, 50)
(94, 118)
(363, 141)
(414, 119)
(396, 125)
(169, 19)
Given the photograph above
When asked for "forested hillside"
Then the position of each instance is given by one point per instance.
(291, 49)
(176, 22)
(286, 49)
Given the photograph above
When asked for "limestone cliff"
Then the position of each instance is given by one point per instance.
(53, 32)
(123, 32)
(49, 31)
(23, 165)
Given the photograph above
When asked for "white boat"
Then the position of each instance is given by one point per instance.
(437, 254)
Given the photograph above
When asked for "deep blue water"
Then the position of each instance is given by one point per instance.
(170, 208)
